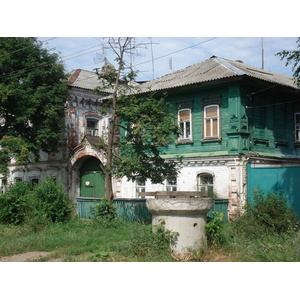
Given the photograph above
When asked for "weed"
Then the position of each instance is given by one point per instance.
(105, 214)
(214, 229)
(271, 210)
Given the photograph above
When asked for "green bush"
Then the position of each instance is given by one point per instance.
(35, 205)
(214, 228)
(53, 201)
(104, 213)
(15, 204)
(150, 243)
(272, 211)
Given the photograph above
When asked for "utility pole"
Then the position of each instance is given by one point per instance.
(152, 58)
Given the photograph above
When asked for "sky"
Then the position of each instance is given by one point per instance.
(163, 55)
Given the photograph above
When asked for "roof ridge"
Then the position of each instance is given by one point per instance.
(228, 65)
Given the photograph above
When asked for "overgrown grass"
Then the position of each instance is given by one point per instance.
(79, 240)
(268, 232)
(89, 241)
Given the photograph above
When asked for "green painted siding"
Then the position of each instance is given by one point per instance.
(249, 122)
(198, 145)
(271, 125)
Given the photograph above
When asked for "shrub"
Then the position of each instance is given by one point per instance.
(53, 201)
(35, 206)
(272, 211)
(150, 243)
(15, 204)
(104, 209)
(214, 228)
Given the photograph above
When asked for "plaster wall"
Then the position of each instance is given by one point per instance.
(228, 173)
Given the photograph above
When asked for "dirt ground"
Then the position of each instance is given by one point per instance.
(23, 257)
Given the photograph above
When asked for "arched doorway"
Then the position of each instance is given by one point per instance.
(92, 180)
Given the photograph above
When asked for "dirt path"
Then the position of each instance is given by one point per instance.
(29, 256)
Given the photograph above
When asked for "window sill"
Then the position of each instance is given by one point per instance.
(211, 140)
(184, 141)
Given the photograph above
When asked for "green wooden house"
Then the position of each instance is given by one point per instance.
(240, 129)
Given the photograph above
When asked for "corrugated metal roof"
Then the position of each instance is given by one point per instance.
(85, 79)
(213, 69)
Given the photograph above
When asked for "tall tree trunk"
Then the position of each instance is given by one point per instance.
(111, 137)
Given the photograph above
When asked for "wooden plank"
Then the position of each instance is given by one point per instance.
(174, 194)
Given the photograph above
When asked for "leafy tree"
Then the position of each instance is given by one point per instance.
(145, 121)
(32, 97)
(293, 57)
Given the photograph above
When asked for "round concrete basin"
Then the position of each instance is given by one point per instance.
(187, 216)
(179, 206)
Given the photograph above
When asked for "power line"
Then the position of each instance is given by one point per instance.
(69, 56)
(45, 64)
(176, 51)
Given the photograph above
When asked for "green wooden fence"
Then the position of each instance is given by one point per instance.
(136, 210)
(128, 209)
(220, 205)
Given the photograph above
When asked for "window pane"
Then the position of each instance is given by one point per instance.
(207, 132)
(182, 129)
(188, 130)
(184, 115)
(140, 181)
(297, 136)
(172, 180)
(297, 118)
(211, 111)
(215, 127)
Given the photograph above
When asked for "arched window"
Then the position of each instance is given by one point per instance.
(211, 122)
(185, 124)
(34, 181)
(205, 183)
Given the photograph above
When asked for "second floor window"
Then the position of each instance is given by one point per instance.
(184, 117)
(92, 127)
(211, 121)
(297, 127)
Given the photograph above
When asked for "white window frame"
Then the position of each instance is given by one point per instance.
(297, 128)
(184, 135)
(92, 131)
(211, 119)
(205, 187)
(140, 186)
(171, 184)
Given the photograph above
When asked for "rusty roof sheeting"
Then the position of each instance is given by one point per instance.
(85, 80)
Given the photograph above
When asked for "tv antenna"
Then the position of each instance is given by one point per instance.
(262, 53)
(171, 64)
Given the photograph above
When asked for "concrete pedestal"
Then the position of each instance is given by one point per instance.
(187, 216)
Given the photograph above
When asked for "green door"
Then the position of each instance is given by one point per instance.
(91, 179)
